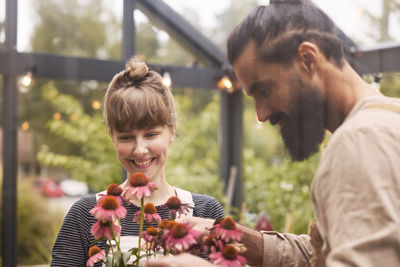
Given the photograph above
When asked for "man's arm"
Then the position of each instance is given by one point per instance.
(253, 240)
(267, 248)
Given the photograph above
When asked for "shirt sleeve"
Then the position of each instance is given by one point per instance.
(286, 249)
(73, 240)
(207, 207)
(357, 196)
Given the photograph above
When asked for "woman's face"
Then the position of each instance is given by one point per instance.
(144, 150)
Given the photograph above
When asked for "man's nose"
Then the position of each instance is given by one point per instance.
(263, 114)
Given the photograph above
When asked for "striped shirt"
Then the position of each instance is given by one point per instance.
(73, 241)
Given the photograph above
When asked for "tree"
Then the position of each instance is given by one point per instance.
(96, 163)
(390, 82)
(380, 23)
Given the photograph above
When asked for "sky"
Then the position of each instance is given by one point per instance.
(347, 14)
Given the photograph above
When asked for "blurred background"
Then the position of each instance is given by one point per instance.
(65, 152)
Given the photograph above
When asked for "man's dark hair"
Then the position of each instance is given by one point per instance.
(279, 28)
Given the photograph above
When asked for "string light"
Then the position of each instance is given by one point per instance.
(57, 116)
(96, 105)
(25, 82)
(73, 117)
(166, 80)
(27, 79)
(25, 126)
(225, 84)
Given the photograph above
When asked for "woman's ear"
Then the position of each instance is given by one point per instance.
(172, 137)
(111, 135)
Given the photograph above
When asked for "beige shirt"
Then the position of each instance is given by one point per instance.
(356, 195)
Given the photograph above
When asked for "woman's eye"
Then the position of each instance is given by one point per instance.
(151, 134)
(125, 137)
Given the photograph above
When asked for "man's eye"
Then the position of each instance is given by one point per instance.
(265, 92)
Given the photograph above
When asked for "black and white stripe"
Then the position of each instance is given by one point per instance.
(74, 239)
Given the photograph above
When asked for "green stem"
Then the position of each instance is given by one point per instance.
(141, 226)
(120, 227)
(116, 241)
(112, 252)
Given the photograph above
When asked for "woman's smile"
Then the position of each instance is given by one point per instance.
(143, 163)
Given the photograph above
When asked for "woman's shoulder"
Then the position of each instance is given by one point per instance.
(200, 198)
(207, 207)
(84, 204)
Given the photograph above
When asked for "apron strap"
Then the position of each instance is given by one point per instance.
(186, 198)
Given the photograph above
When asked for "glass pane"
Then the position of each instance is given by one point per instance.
(364, 21)
(156, 46)
(357, 18)
(2, 18)
(77, 28)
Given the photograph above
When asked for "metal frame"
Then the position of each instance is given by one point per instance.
(381, 58)
(10, 128)
(12, 63)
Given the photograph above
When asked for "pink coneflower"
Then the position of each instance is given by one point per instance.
(150, 234)
(138, 186)
(163, 224)
(150, 214)
(228, 257)
(114, 190)
(210, 243)
(96, 254)
(100, 229)
(181, 237)
(108, 209)
(227, 230)
(175, 206)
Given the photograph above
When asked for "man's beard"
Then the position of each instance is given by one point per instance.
(303, 129)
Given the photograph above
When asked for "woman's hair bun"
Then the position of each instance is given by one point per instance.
(135, 70)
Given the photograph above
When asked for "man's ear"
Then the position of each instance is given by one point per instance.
(307, 55)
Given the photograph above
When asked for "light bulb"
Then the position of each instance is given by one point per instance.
(166, 80)
(27, 79)
(225, 84)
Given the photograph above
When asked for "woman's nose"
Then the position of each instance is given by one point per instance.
(140, 148)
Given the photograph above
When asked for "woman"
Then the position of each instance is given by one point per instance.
(140, 117)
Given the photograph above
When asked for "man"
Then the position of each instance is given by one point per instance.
(289, 60)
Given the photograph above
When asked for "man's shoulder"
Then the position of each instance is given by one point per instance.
(380, 115)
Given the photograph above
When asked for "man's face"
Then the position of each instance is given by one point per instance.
(281, 96)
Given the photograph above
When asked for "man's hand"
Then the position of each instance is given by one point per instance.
(181, 260)
(199, 224)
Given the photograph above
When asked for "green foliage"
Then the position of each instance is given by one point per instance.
(390, 84)
(193, 161)
(96, 162)
(37, 226)
(280, 190)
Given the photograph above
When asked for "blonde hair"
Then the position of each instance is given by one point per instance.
(136, 98)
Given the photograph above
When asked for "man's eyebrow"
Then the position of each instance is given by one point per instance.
(265, 85)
